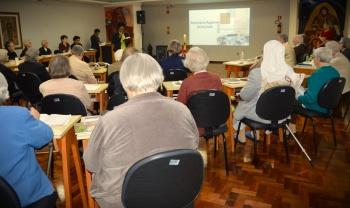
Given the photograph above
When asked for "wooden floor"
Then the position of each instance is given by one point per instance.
(274, 183)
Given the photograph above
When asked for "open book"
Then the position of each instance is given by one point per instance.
(55, 119)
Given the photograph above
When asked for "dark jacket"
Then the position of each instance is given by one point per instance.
(10, 78)
(300, 53)
(95, 41)
(42, 51)
(35, 68)
(172, 62)
(23, 52)
(114, 85)
(12, 55)
(116, 40)
(346, 53)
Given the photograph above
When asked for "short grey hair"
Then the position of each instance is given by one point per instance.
(174, 46)
(283, 37)
(141, 73)
(3, 55)
(4, 93)
(334, 46)
(324, 54)
(300, 37)
(77, 50)
(196, 59)
(43, 42)
(31, 55)
(346, 42)
(27, 42)
(59, 67)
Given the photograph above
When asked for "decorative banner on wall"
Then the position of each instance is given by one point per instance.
(10, 29)
(321, 18)
(117, 16)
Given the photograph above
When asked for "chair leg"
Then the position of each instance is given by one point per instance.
(49, 161)
(333, 130)
(255, 156)
(237, 134)
(285, 143)
(346, 110)
(215, 143)
(225, 154)
(314, 135)
(305, 121)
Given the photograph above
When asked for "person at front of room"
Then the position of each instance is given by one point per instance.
(346, 47)
(31, 65)
(95, 42)
(80, 69)
(11, 53)
(340, 63)
(27, 44)
(124, 135)
(174, 61)
(274, 71)
(44, 50)
(21, 133)
(9, 75)
(120, 39)
(63, 47)
(324, 72)
(299, 48)
(76, 41)
(289, 51)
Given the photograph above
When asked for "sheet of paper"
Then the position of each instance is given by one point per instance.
(55, 119)
(91, 87)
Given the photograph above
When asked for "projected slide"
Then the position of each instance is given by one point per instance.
(219, 27)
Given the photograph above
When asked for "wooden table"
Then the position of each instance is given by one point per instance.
(229, 88)
(91, 54)
(67, 144)
(237, 66)
(305, 69)
(99, 91)
(13, 65)
(100, 74)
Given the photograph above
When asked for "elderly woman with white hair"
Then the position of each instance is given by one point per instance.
(80, 69)
(299, 48)
(340, 63)
(174, 60)
(32, 65)
(21, 133)
(197, 61)
(324, 72)
(44, 50)
(27, 44)
(125, 135)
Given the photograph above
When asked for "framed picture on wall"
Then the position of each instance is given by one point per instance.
(10, 29)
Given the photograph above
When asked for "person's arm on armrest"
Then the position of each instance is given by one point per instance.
(40, 133)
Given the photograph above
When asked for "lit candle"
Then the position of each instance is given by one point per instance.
(185, 38)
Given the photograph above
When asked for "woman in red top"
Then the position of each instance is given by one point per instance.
(64, 45)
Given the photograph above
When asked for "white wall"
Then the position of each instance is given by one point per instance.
(262, 26)
(50, 19)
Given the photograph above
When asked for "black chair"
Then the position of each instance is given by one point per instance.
(29, 84)
(210, 110)
(116, 100)
(328, 98)
(175, 75)
(170, 179)
(60, 104)
(8, 196)
(276, 106)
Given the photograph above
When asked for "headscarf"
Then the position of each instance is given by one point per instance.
(4, 93)
(275, 70)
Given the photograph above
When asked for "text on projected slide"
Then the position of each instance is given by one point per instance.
(219, 27)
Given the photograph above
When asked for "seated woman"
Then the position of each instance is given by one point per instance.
(63, 47)
(31, 65)
(174, 61)
(27, 45)
(273, 71)
(11, 52)
(114, 85)
(44, 50)
(9, 75)
(197, 61)
(59, 70)
(21, 133)
(324, 72)
(126, 134)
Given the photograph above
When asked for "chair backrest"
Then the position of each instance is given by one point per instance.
(210, 108)
(116, 100)
(168, 179)
(175, 75)
(8, 196)
(62, 104)
(276, 103)
(331, 92)
(29, 83)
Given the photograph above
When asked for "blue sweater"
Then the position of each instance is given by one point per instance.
(21, 133)
(172, 62)
(315, 82)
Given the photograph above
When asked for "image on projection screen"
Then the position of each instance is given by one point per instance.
(219, 27)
